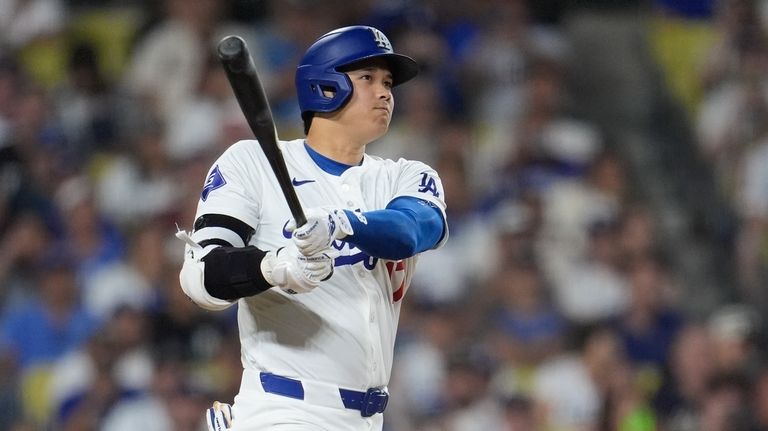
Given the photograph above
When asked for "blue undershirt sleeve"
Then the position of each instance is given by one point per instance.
(405, 228)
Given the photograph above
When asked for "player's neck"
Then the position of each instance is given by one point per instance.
(336, 146)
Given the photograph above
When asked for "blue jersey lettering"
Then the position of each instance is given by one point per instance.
(428, 184)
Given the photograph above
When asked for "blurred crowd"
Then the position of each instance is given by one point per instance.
(554, 306)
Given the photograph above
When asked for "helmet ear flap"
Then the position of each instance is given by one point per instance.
(326, 94)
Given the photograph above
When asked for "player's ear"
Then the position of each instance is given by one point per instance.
(328, 92)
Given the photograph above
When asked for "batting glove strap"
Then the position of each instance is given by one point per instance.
(323, 226)
(219, 417)
(295, 273)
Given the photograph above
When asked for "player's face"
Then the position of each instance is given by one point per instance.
(369, 110)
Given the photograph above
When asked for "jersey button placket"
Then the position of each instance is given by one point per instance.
(346, 190)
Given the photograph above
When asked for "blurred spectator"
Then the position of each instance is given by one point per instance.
(51, 322)
(494, 70)
(517, 414)
(733, 329)
(22, 21)
(752, 207)
(87, 107)
(594, 289)
(173, 403)
(526, 329)
(29, 171)
(22, 248)
(74, 373)
(470, 403)
(691, 368)
(724, 406)
(517, 225)
(134, 281)
(36, 333)
(625, 402)
(169, 61)
(739, 27)
(571, 208)
(88, 237)
(142, 177)
(38, 142)
(419, 375)
(568, 389)
(651, 322)
(113, 368)
(197, 127)
(35, 127)
(733, 115)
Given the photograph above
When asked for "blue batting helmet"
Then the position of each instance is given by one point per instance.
(319, 69)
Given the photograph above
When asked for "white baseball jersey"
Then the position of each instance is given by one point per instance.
(342, 332)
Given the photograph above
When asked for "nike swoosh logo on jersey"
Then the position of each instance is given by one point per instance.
(297, 183)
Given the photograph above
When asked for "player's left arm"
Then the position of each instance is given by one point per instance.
(406, 227)
(412, 222)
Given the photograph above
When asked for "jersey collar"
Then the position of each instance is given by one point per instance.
(328, 165)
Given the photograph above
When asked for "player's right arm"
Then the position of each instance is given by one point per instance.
(219, 264)
(216, 274)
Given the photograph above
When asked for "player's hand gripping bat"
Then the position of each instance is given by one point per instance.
(241, 72)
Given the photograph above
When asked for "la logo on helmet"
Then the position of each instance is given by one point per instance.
(381, 40)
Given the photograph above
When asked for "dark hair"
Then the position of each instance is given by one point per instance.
(307, 117)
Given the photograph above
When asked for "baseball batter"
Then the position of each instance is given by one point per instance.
(318, 305)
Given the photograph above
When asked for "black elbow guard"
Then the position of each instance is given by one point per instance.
(234, 272)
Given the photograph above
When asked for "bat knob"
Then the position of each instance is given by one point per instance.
(234, 53)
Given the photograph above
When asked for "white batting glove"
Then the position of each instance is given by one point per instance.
(324, 225)
(295, 273)
(219, 416)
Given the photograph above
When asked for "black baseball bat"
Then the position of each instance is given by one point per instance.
(241, 73)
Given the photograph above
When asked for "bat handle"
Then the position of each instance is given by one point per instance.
(301, 219)
(234, 53)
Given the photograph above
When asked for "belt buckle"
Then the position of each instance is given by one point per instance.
(374, 401)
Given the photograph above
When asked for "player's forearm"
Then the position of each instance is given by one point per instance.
(405, 228)
(219, 268)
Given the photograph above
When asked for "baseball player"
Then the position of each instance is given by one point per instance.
(318, 305)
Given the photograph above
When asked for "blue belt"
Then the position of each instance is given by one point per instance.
(369, 403)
